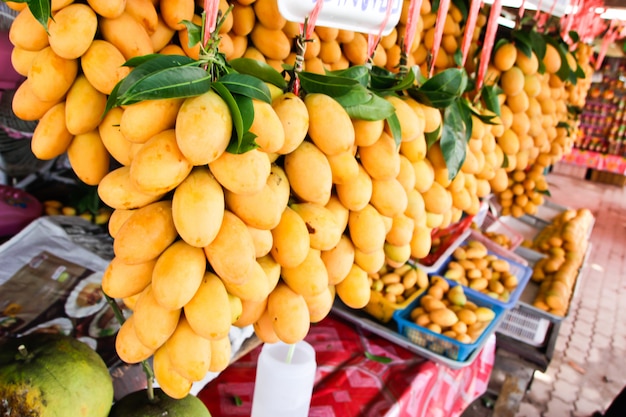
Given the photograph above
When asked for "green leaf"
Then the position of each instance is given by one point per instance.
(150, 64)
(237, 400)
(357, 95)
(41, 10)
(111, 100)
(462, 6)
(176, 82)
(394, 126)
(194, 32)
(458, 57)
(326, 84)
(580, 73)
(523, 42)
(247, 85)
(505, 161)
(544, 192)
(442, 89)
(384, 82)
(564, 73)
(377, 108)
(377, 358)
(432, 137)
(259, 69)
(242, 113)
(490, 97)
(360, 73)
(454, 138)
(538, 44)
(574, 36)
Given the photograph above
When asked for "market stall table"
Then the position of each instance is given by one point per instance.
(348, 383)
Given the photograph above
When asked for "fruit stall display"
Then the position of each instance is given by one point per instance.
(249, 186)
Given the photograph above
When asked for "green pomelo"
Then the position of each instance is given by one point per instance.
(137, 404)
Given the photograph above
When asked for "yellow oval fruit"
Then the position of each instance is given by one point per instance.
(221, 353)
(51, 76)
(128, 346)
(203, 128)
(174, 12)
(273, 43)
(88, 157)
(338, 260)
(309, 277)
(367, 132)
(27, 106)
(262, 241)
(198, 208)
(401, 230)
(162, 35)
(382, 159)
(294, 117)
(367, 229)
(121, 280)
(84, 106)
(108, 8)
(267, 127)
(257, 287)
(291, 240)
(244, 19)
(263, 209)
(505, 56)
(343, 166)
(444, 317)
(416, 208)
(127, 34)
(437, 199)
(27, 33)
(112, 138)
(421, 242)
(146, 234)
(208, 312)
(153, 323)
(552, 59)
(299, 166)
(22, 59)
(143, 11)
(389, 197)
(330, 126)
(370, 262)
(177, 274)
(409, 122)
(144, 119)
(102, 64)
(319, 305)
(189, 353)
(232, 253)
(251, 312)
(244, 173)
(354, 290)
(169, 379)
(341, 213)
(159, 166)
(356, 49)
(72, 30)
(321, 223)
(355, 193)
(117, 219)
(289, 314)
(51, 137)
(117, 190)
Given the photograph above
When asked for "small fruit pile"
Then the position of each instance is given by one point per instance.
(444, 309)
(398, 284)
(472, 266)
(55, 208)
(524, 192)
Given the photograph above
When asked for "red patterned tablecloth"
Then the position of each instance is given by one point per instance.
(348, 384)
(599, 161)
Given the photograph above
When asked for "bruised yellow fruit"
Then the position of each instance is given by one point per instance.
(121, 280)
(209, 301)
(263, 209)
(153, 323)
(322, 225)
(244, 173)
(51, 137)
(117, 190)
(169, 379)
(102, 64)
(291, 240)
(88, 157)
(188, 352)
(198, 207)
(128, 346)
(144, 119)
(382, 159)
(338, 260)
(299, 166)
(309, 277)
(146, 233)
(367, 229)
(288, 313)
(203, 128)
(330, 127)
(354, 289)
(232, 252)
(84, 106)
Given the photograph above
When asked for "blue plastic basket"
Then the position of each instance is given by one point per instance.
(438, 343)
(522, 272)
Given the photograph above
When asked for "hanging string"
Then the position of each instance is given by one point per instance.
(372, 40)
(411, 24)
(470, 26)
(521, 10)
(490, 36)
(211, 10)
(444, 5)
(307, 28)
(609, 38)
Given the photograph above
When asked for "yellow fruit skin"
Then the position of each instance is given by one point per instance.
(367, 229)
(273, 43)
(108, 8)
(146, 234)
(320, 305)
(263, 209)
(142, 120)
(355, 193)
(51, 76)
(344, 167)
(117, 219)
(421, 242)
(88, 157)
(220, 354)
(116, 190)
(338, 260)
(144, 12)
(370, 262)
(27, 33)
(366, 132)
(203, 128)
(109, 128)
(382, 159)
(159, 166)
(72, 30)
(198, 208)
(309, 277)
(232, 252)
(27, 106)
(251, 311)
(262, 239)
(102, 64)
(289, 314)
(174, 12)
(244, 173)
(291, 239)
(153, 323)
(330, 127)
(294, 117)
(324, 230)
(409, 123)
(188, 352)
(389, 197)
(162, 35)
(128, 346)
(127, 34)
(208, 312)
(267, 127)
(299, 164)
(255, 288)
(177, 274)
(51, 137)
(354, 290)
(437, 199)
(121, 280)
(84, 107)
(168, 378)
(264, 329)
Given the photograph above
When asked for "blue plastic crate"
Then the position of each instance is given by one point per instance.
(438, 343)
(522, 272)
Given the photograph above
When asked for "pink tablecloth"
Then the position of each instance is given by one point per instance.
(599, 161)
(349, 384)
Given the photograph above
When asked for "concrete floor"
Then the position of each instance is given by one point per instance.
(587, 369)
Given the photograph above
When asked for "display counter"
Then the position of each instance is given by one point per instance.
(352, 378)
(601, 162)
